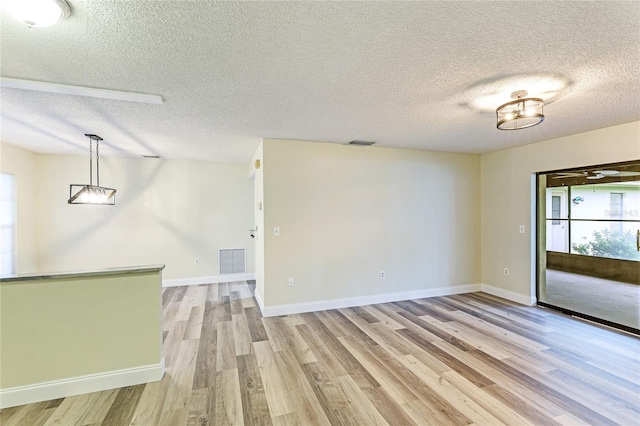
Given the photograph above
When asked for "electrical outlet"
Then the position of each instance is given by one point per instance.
(506, 271)
(382, 275)
(197, 261)
(290, 281)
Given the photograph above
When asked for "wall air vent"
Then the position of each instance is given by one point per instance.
(151, 156)
(232, 261)
(361, 143)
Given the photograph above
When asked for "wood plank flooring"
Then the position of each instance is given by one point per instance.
(465, 359)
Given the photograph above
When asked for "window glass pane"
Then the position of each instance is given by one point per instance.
(7, 224)
(619, 200)
(6, 246)
(605, 239)
(555, 208)
(557, 202)
(616, 210)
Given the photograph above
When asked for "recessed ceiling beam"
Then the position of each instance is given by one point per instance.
(41, 86)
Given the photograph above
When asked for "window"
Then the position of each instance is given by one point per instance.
(593, 219)
(7, 224)
(616, 211)
(616, 205)
(556, 208)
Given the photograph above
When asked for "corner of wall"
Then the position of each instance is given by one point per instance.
(509, 295)
(508, 198)
(257, 167)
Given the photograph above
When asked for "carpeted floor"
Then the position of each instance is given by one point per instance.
(610, 300)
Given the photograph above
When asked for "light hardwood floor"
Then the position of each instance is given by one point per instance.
(467, 359)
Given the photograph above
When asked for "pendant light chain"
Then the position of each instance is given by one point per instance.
(90, 162)
(98, 162)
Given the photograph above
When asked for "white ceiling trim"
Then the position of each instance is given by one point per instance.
(65, 89)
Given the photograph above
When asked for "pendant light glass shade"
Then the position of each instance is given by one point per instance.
(520, 113)
(92, 194)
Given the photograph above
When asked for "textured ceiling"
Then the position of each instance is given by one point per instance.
(403, 74)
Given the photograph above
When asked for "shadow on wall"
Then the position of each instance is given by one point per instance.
(72, 236)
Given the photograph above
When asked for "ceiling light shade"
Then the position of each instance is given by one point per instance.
(521, 113)
(37, 13)
(92, 194)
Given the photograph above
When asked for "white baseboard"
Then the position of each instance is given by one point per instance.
(348, 302)
(46, 391)
(213, 279)
(509, 295)
(260, 302)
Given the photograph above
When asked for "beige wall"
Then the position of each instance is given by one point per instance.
(347, 213)
(507, 195)
(166, 212)
(24, 165)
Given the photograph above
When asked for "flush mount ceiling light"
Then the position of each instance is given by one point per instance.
(92, 194)
(37, 13)
(521, 113)
(485, 95)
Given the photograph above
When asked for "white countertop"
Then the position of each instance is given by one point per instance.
(87, 273)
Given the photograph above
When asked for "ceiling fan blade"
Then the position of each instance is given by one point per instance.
(567, 175)
(606, 172)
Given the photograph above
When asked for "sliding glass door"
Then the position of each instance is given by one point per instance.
(589, 242)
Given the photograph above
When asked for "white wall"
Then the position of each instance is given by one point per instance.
(507, 196)
(168, 212)
(597, 200)
(347, 213)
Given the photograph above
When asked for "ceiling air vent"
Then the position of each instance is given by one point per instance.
(361, 143)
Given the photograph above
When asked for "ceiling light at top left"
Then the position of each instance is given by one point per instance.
(37, 13)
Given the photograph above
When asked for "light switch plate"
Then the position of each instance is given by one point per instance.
(276, 231)
(522, 229)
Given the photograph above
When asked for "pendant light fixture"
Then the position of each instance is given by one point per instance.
(521, 113)
(92, 194)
